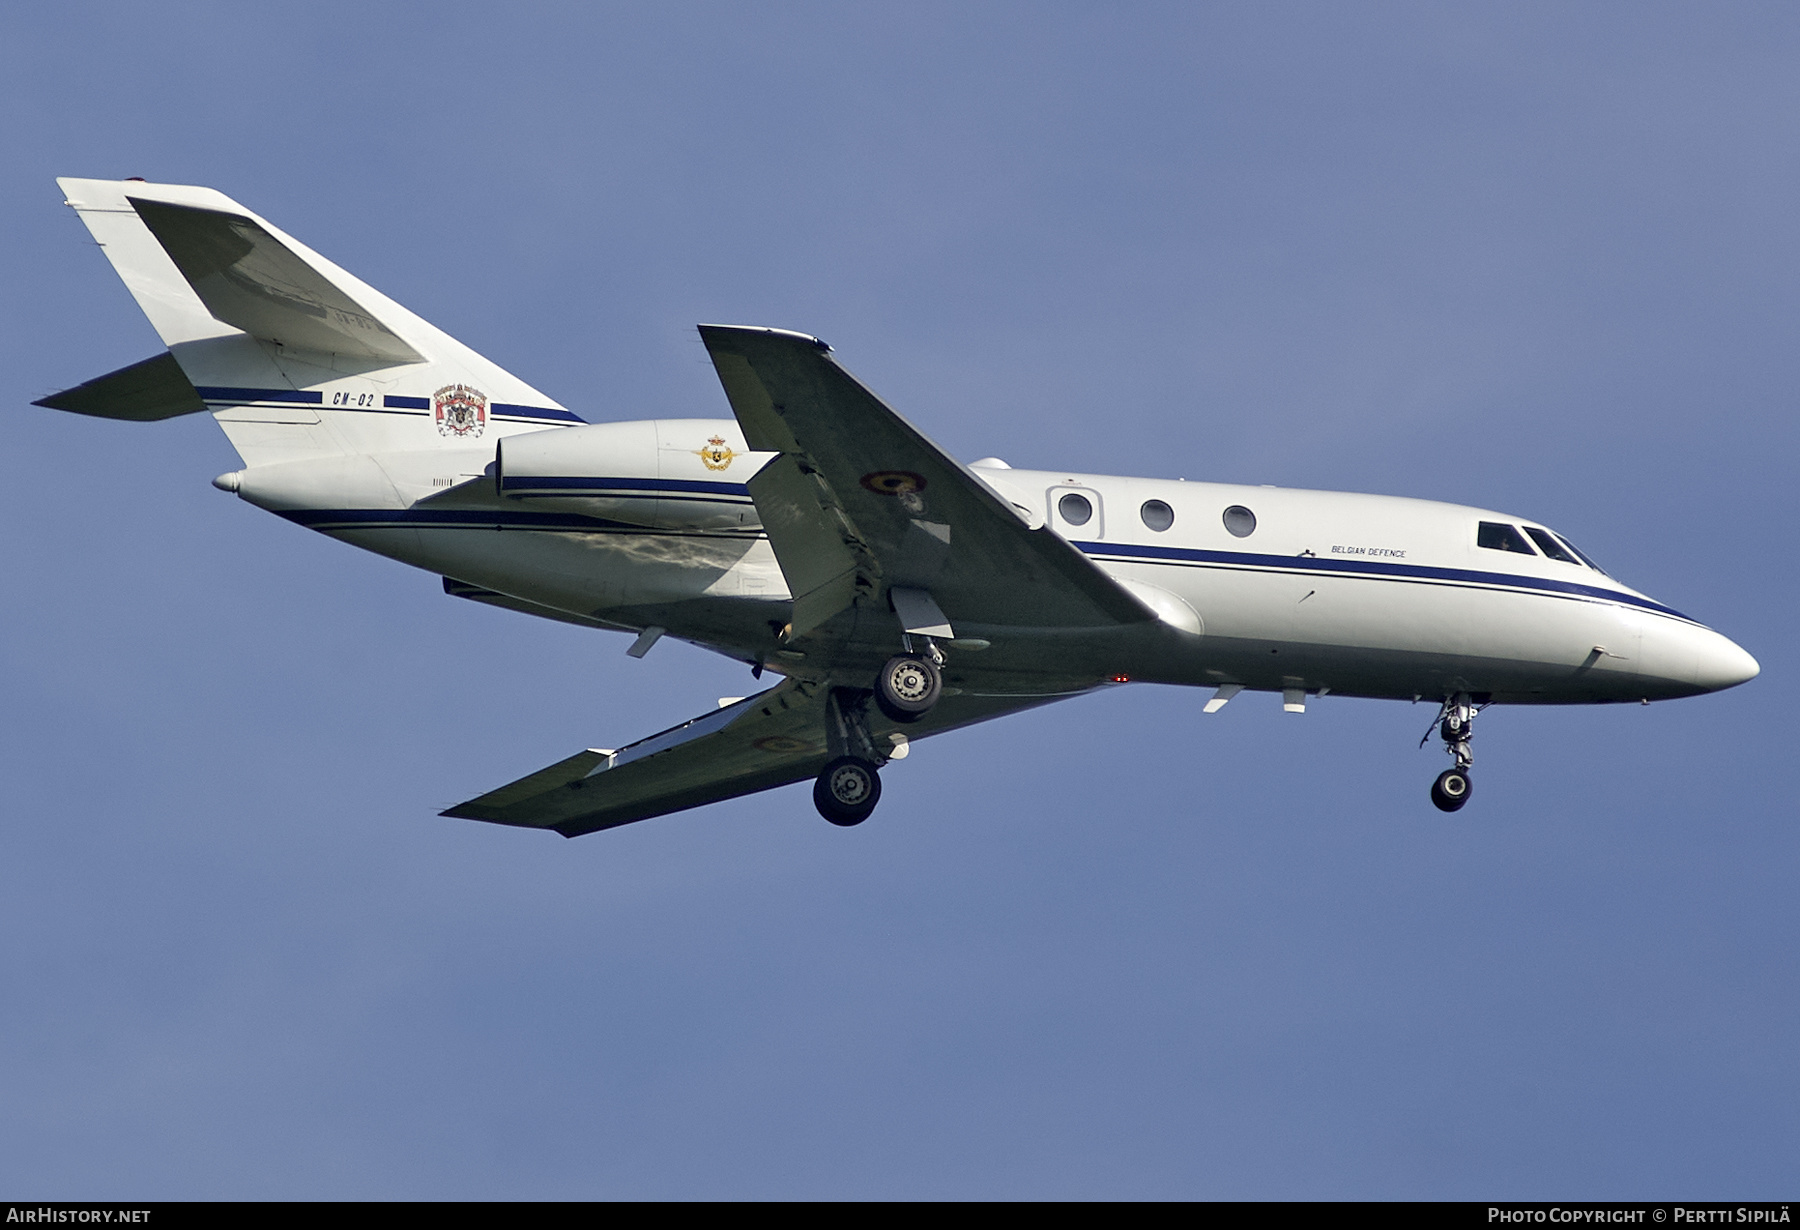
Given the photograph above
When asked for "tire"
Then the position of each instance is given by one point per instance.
(1451, 790)
(907, 688)
(847, 790)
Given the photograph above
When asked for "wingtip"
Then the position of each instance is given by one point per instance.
(709, 331)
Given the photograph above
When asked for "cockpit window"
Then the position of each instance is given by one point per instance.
(1499, 536)
(1549, 546)
(1580, 555)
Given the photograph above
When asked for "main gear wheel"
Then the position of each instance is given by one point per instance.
(847, 790)
(907, 687)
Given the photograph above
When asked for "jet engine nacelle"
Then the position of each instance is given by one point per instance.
(678, 474)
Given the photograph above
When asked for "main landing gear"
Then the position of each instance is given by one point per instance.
(906, 688)
(847, 791)
(1455, 725)
(910, 684)
(849, 786)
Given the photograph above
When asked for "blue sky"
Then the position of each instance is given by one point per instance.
(1540, 258)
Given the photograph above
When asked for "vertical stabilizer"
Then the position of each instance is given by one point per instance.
(295, 357)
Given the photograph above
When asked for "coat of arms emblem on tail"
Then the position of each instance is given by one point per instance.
(460, 411)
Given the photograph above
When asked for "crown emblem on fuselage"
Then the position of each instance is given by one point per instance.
(716, 455)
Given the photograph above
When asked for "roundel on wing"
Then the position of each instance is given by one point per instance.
(894, 482)
(785, 745)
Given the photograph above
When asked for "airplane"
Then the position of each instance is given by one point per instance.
(821, 539)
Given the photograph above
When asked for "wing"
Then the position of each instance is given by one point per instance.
(763, 741)
(758, 743)
(861, 503)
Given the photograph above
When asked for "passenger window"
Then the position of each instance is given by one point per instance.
(1240, 521)
(1498, 536)
(1157, 515)
(1075, 509)
(1549, 546)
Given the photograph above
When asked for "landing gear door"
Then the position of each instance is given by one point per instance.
(1077, 512)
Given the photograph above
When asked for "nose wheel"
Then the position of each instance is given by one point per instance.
(1455, 725)
(1451, 790)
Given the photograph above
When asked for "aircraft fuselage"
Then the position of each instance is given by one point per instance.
(1268, 588)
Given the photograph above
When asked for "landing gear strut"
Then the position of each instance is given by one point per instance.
(849, 786)
(1455, 725)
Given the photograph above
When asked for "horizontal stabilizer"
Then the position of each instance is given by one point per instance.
(251, 280)
(144, 392)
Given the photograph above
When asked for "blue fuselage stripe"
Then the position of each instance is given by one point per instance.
(670, 486)
(447, 518)
(239, 396)
(502, 410)
(1364, 568)
(485, 519)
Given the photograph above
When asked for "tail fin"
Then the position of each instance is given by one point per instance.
(295, 357)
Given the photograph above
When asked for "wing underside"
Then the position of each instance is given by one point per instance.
(763, 741)
(864, 511)
(768, 740)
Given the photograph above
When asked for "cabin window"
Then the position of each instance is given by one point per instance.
(1498, 536)
(1549, 546)
(1157, 515)
(1075, 509)
(1240, 522)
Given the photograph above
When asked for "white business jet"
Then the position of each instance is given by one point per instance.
(818, 536)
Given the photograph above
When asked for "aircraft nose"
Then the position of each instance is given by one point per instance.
(1721, 663)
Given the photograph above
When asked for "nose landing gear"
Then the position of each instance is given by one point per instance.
(1455, 725)
(1451, 789)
